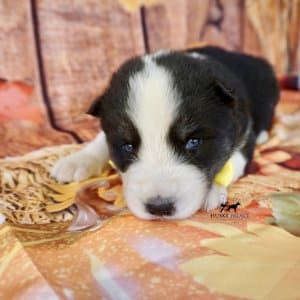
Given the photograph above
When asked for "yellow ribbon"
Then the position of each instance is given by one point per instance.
(225, 176)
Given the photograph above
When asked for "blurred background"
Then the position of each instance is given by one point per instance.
(57, 56)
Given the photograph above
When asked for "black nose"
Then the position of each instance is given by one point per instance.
(160, 207)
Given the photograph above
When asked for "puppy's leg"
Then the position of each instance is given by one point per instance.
(239, 163)
(218, 194)
(83, 164)
(262, 137)
(215, 197)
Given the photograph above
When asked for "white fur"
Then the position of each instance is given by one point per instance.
(158, 171)
(2, 218)
(262, 137)
(83, 164)
(218, 194)
(239, 163)
(159, 53)
(246, 135)
(196, 55)
(215, 197)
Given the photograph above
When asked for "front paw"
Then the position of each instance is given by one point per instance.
(76, 167)
(216, 196)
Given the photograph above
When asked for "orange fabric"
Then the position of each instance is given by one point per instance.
(212, 255)
(15, 103)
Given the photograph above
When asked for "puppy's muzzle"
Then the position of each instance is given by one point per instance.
(159, 206)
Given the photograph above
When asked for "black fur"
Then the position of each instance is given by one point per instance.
(258, 80)
(213, 107)
(220, 97)
(260, 86)
(110, 107)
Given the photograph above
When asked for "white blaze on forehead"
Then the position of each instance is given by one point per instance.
(152, 106)
(196, 55)
(159, 53)
(158, 171)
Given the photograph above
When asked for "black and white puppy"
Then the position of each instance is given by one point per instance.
(171, 120)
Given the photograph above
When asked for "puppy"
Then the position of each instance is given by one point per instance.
(171, 120)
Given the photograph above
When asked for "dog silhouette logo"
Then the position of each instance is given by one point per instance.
(227, 207)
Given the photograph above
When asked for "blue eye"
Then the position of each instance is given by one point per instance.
(193, 144)
(128, 148)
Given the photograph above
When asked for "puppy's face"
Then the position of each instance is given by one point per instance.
(170, 127)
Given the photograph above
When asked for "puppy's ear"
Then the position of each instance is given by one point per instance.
(225, 94)
(96, 107)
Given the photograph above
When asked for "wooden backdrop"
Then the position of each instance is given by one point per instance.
(64, 51)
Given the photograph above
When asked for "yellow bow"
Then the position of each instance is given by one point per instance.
(224, 177)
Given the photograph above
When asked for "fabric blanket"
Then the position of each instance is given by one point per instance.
(229, 253)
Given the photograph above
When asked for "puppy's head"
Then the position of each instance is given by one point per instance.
(170, 125)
